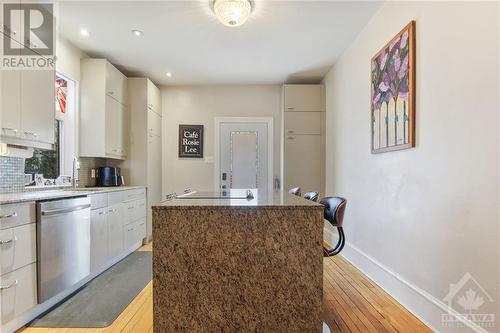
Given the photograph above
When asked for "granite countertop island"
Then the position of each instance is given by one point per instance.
(231, 264)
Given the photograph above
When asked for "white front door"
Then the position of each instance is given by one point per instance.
(245, 147)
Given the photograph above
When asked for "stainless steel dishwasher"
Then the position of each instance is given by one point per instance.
(63, 244)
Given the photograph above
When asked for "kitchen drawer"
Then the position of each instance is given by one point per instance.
(137, 194)
(13, 215)
(302, 123)
(98, 200)
(130, 232)
(135, 210)
(17, 247)
(140, 210)
(116, 197)
(18, 292)
(141, 229)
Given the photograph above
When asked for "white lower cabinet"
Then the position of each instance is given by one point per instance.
(18, 292)
(111, 219)
(134, 232)
(115, 230)
(98, 239)
(17, 247)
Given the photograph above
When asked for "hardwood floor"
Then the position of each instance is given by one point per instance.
(351, 303)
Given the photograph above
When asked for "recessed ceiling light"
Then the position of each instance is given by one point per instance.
(137, 33)
(232, 13)
(84, 32)
(169, 74)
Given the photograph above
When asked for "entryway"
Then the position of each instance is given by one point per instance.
(243, 153)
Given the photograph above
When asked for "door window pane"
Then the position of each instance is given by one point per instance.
(244, 160)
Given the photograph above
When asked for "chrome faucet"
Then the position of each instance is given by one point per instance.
(74, 176)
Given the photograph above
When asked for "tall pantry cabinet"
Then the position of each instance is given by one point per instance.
(144, 165)
(304, 137)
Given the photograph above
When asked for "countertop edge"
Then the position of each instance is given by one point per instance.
(203, 207)
(63, 193)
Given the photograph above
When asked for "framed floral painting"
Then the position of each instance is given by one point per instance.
(393, 93)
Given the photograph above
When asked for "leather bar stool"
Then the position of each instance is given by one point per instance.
(295, 191)
(334, 213)
(313, 196)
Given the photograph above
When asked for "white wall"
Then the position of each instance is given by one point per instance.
(418, 220)
(199, 105)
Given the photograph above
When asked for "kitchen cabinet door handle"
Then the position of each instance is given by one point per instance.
(8, 241)
(131, 207)
(10, 285)
(291, 138)
(111, 92)
(14, 214)
(102, 213)
(290, 108)
(9, 129)
(112, 211)
(291, 131)
(31, 133)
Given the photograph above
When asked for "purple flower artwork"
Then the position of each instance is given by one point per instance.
(392, 93)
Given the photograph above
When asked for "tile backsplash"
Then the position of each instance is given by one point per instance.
(12, 172)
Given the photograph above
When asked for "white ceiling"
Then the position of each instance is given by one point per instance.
(282, 41)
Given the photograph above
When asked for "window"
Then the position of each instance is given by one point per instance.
(47, 165)
(45, 162)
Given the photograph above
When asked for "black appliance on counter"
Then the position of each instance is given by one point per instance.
(108, 176)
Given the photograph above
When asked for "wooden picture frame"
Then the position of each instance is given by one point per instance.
(392, 86)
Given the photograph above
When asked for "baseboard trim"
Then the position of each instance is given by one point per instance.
(420, 303)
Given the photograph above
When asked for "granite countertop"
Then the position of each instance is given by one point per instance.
(38, 195)
(237, 199)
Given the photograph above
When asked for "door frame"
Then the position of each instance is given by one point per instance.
(269, 121)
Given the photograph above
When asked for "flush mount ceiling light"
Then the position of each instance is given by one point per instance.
(169, 74)
(84, 32)
(232, 13)
(137, 33)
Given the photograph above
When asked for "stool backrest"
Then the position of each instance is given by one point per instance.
(295, 191)
(334, 210)
(313, 196)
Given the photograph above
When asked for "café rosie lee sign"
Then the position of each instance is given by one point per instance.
(191, 141)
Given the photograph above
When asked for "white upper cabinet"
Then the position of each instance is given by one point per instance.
(27, 104)
(11, 103)
(103, 115)
(153, 98)
(116, 83)
(37, 105)
(302, 97)
(115, 129)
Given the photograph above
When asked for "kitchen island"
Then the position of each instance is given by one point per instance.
(235, 264)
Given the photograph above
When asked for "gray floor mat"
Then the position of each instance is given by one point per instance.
(102, 300)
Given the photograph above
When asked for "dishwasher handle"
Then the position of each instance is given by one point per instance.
(64, 210)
